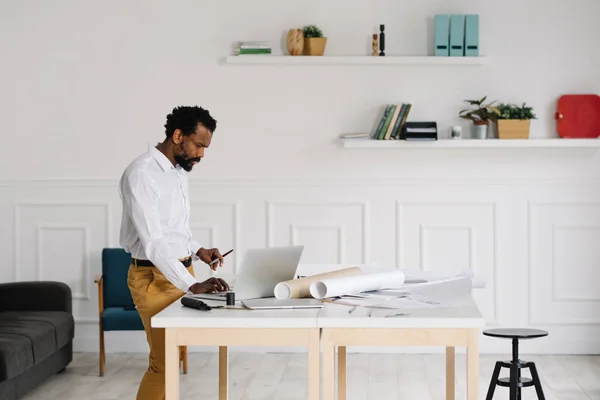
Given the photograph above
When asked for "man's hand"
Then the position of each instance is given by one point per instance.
(208, 255)
(211, 285)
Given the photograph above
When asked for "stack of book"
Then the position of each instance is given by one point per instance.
(354, 135)
(391, 123)
(252, 48)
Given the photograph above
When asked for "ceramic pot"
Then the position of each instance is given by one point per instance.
(481, 130)
(314, 46)
(295, 42)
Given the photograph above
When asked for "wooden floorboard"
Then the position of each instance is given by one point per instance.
(283, 376)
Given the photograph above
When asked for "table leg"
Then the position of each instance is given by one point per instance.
(341, 367)
(314, 369)
(223, 372)
(450, 370)
(328, 367)
(472, 364)
(171, 365)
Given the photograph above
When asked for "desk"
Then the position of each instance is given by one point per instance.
(449, 327)
(225, 327)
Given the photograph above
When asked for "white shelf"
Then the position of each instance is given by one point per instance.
(471, 143)
(267, 59)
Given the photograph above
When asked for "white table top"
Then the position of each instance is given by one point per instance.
(331, 316)
(178, 316)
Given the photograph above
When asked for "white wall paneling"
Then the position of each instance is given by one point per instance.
(450, 237)
(67, 248)
(332, 232)
(62, 240)
(533, 243)
(564, 258)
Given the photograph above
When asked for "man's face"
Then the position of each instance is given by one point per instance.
(189, 150)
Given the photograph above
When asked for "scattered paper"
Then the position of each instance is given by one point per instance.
(446, 293)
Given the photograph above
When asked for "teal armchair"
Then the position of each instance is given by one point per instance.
(115, 306)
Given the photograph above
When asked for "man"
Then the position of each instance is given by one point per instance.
(155, 230)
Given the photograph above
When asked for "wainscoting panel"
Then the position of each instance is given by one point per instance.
(451, 237)
(533, 243)
(565, 263)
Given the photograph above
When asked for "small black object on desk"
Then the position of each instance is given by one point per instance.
(419, 131)
(195, 303)
(515, 382)
(230, 299)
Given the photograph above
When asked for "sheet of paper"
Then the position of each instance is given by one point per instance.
(299, 288)
(333, 287)
(411, 275)
(432, 277)
(446, 293)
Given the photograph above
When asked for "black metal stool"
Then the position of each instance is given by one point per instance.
(515, 382)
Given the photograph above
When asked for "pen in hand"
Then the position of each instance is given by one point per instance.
(216, 260)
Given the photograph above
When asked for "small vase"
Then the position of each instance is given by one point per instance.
(314, 46)
(295, 42)
(481, 131)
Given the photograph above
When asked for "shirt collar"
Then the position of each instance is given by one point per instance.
(163, 161)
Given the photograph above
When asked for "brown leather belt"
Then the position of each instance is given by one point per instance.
(147, 263)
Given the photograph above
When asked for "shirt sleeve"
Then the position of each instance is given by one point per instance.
(141, 204)
(194, 247)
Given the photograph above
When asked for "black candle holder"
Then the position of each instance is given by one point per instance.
(381, 40)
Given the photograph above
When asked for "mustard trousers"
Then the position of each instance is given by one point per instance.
(151, 293)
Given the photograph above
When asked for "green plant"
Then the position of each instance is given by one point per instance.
(483, 113)
(312, 31)
(512, 111)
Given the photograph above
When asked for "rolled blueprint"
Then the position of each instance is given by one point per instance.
(332, 287)
(299, 288)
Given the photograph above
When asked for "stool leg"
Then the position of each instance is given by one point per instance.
(493, 381)
(514, 370)
(536, 381)
(518, 379)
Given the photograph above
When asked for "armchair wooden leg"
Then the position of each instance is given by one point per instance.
(184, 359)
(101, 351)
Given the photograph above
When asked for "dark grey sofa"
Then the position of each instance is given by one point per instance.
(36, 334)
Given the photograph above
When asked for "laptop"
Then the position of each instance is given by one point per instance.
(261, 270)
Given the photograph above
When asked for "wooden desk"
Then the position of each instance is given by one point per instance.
(448, 327)
(223, 327)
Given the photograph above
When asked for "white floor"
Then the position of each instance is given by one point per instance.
(284, 376)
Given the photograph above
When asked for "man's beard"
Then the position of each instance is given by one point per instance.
(186, 163)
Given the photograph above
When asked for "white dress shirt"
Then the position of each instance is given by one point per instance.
(156, 216)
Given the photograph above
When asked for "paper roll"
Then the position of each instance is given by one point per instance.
(300, 288)
(340, 286)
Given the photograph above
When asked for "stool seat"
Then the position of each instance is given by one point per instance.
(515, 333)
(515, 381)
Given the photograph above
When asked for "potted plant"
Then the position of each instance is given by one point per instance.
(314, 42)
(481, 116)
(514, 121)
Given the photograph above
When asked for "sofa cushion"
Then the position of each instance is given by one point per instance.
(119, 319)
(16, 355)
(26, 338)
(63, 323)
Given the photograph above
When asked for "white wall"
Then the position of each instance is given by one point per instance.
(85, 87)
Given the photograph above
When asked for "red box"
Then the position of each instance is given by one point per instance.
(578, 116)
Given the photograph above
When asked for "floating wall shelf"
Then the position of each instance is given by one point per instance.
(353, 60)
(471, 143)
